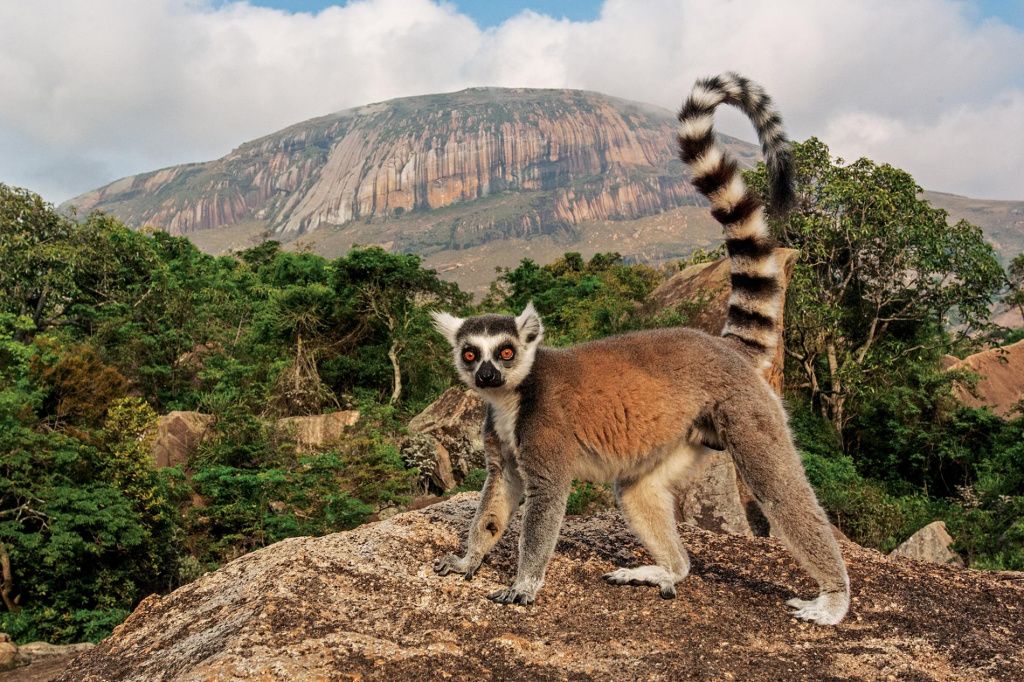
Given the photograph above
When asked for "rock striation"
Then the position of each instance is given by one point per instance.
(365, 605)
(578, 156)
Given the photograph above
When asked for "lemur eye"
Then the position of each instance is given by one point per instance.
(507, 354)
(468, 355)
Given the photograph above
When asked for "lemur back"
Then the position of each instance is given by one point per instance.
(638, 409)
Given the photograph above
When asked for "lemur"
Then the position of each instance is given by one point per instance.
(641, 409)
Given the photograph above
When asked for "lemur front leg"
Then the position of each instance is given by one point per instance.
(499, 500)
(545, 509)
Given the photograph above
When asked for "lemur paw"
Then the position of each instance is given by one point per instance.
(655, 576)
(453, 563)
(828, 609)
(513, 595)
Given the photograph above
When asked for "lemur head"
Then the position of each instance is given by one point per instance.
(493, 353)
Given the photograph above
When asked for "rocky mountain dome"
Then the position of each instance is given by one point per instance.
(588, 156)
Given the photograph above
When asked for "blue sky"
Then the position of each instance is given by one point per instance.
(488, 13)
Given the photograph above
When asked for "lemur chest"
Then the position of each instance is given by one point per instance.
(505, 413)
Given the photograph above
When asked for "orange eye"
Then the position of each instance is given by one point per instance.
(507, 354)
(468, 355)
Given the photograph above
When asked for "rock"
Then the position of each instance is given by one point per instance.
(365, 604)
(14, 656)
(318, 431)
(1000, 384)
(713, 501)
(932, 544)
(431, 458)
(9, 656)
(708, 283)
(454, 420)
(178, 434)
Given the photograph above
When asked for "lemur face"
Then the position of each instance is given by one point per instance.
(492, 353)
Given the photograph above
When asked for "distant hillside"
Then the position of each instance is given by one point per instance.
(1002, 221)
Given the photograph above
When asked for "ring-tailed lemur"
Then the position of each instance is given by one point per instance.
(636, 409)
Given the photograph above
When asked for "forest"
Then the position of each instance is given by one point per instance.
(103, 328)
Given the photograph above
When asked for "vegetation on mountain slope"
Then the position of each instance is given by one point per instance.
(102, 328)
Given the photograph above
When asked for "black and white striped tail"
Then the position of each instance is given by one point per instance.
(755, 305)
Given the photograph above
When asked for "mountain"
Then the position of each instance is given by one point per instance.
(1001, 221)
(470, 180)
(430, 174)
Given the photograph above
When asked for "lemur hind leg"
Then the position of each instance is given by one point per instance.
(766, 459)
(649, 505)
(499, 499)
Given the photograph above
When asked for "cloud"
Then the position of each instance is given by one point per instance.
(93, 91)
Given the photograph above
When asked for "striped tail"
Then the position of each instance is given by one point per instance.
(755, 305)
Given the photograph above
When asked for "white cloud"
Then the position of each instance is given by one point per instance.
(93, 91)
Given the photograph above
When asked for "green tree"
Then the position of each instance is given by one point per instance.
(1015, 284)
(393, 293)
(881, 275)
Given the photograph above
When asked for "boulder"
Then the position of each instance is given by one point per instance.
(932, 544)
(178, 434)
(713, 501)
(454, 420)
(432, 459)
(706, 285)
(10, 658)
(1000, 384)
(318, 431)
(365, 605)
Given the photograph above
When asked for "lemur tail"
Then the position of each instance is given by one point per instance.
(755, 305)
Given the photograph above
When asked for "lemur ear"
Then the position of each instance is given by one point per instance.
(531, 330)
(448, 325)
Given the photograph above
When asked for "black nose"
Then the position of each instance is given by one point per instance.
(487, 376)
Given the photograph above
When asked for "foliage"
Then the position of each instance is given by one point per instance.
(1015, 284)
(881, 275)
(578, 300)
(102, 328)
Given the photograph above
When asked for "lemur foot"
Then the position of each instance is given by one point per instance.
(453, 563)
(655, 576)
(513, 595)
(828, 609)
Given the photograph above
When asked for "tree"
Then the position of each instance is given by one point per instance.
(881, 276)
(1015, 284)
(393, 292)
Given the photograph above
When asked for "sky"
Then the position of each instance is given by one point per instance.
(94, 91)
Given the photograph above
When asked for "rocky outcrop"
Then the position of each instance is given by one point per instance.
(178, 434)
(581, 156)
(704, 289)
(454, 423)
(433, 461)
(29, 658)
(314, 432)
(1000, 384)
(931, 544)
(713, 501)
(365, 605)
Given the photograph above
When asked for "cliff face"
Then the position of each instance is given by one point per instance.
(365, 605)
(578, 156)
